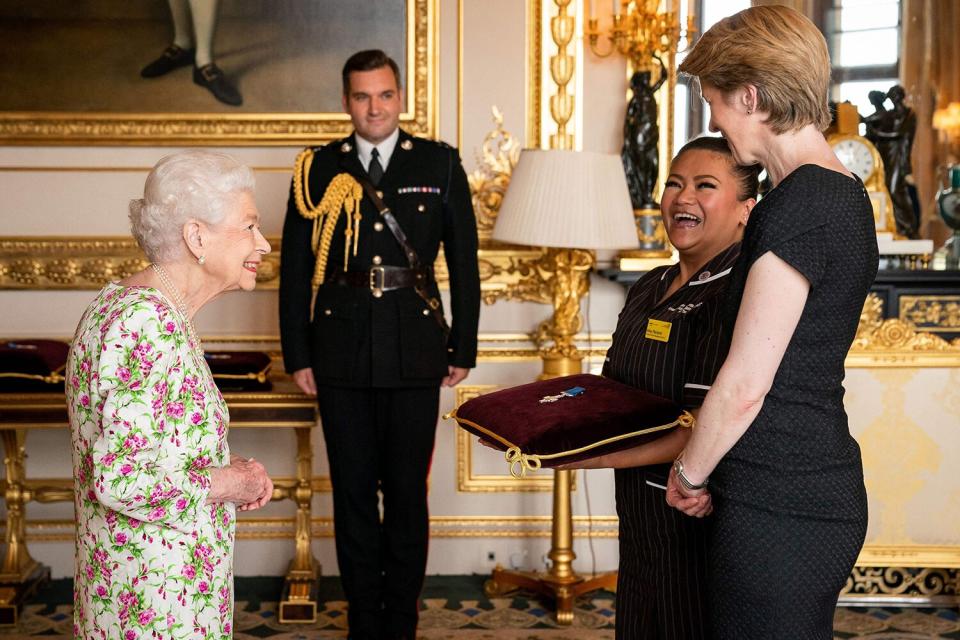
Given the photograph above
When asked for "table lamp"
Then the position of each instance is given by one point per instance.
(570, 202)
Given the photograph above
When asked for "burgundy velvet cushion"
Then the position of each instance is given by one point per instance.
(239, 370)
(607, 416)
(27, 366)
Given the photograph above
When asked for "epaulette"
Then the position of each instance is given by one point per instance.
(439, 143)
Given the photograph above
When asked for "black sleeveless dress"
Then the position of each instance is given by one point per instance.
(790, 505)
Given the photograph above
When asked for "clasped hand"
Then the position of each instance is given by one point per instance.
(697, 503)
(244, 482)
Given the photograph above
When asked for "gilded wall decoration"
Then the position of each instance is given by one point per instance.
(894, 440)
(918, 584)
(931, 313)
(496, 159)
(87, 263)
(897, 343)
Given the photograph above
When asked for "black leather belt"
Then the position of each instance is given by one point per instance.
(385, 278)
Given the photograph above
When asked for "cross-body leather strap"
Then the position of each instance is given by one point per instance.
(432, 303)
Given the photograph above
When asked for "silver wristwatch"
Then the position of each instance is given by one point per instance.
(689, 486)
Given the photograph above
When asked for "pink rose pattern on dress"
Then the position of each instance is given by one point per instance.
(147, 420)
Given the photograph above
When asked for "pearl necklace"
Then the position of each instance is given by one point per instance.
(181, 305)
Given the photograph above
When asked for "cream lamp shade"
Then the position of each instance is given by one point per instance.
(567, 199)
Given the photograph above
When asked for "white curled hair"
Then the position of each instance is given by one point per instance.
(195, 184)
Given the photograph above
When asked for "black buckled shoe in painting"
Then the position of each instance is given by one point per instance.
(173, 57)
(212, 77)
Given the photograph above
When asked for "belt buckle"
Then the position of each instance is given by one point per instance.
(376, 288)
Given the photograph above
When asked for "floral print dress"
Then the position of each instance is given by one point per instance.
(153, 560)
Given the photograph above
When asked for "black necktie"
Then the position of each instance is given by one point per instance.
(375, 170)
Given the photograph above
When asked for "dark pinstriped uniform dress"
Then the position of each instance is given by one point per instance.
(663, 553)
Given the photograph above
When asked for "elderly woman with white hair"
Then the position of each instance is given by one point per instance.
(156, 487)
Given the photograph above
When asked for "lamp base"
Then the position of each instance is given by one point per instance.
(564, 590)
(555, 366)
(654, 249)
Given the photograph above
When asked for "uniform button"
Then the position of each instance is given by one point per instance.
(378, 226)
(421, 208)
(377, 259)
(380, 194)
(425, 312)
(327, 312)
(377, 293)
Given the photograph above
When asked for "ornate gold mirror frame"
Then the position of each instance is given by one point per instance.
(255, 129)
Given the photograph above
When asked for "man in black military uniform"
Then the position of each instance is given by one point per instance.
(373, 342)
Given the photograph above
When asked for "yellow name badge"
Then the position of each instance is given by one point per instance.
(658, 330)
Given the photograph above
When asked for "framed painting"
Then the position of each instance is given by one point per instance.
(101, 72)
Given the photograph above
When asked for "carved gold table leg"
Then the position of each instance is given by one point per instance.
(21, 575)
(298, 604)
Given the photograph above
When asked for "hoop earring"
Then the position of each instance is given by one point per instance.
(201, 260)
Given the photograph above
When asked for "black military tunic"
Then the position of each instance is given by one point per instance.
(378, 362)
(674, 348)
(355, 339)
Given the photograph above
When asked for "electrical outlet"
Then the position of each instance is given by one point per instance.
(518, 559)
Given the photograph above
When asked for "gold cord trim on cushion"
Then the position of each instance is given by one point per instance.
(53, 378)
(259, 376)
(343, 193)
(521, 462)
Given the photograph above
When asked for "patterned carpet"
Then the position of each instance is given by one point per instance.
(455, 608)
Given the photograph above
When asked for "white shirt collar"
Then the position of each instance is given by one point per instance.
(385, 149)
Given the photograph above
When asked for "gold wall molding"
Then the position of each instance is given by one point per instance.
(942, 556)
(87, 263)
(78, 262)
(534, 77)
(259, 129)
(501, 348)
(282, 528)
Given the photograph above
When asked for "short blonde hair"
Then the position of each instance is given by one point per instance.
(779, 51)
(196, 184)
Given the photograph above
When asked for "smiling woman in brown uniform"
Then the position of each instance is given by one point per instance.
(705, 205)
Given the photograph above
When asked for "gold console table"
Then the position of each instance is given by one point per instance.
(282, 408)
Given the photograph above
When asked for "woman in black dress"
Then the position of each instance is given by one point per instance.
(785, 476)
(706, 201)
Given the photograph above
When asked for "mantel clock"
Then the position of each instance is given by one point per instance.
(860, 157)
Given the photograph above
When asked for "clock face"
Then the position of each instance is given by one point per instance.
(856, 157)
